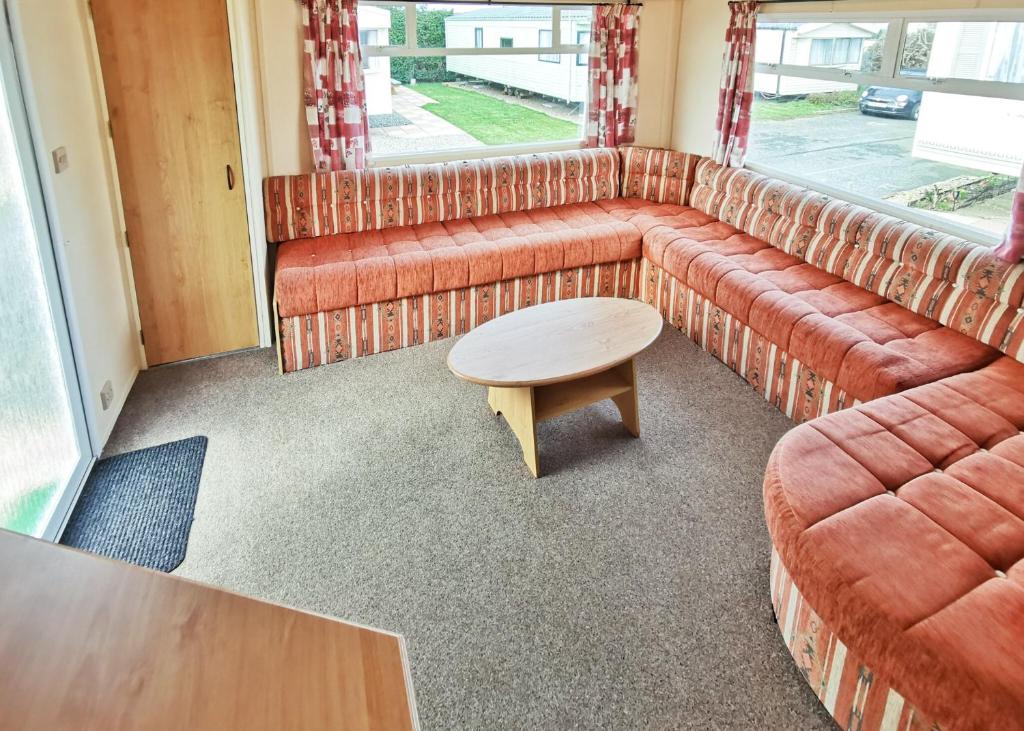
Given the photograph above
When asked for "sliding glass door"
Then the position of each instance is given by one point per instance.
(44, 449)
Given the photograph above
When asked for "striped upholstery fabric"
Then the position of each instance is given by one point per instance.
(335, 335)
(849, 688)
(320, 204)
(901, 522)
(957, 283)
(793, 387)
(662, 176)
(330, 272)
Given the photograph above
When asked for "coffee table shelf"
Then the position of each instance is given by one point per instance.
(557, 357)
(561, 398)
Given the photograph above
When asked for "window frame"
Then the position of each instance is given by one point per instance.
(366, 60)
(546, 57)
(832, 44)
(583, 59)
(889, 75)
(892, 52)
(478, 37)
(411, 49)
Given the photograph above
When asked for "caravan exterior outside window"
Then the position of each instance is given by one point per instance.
(915, 115)
(474, 80)
(835, 51)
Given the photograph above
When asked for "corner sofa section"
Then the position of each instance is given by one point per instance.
(896, 512)
(897, 523)
(817, 303)
(381, 259)
(820, 304)
(898, 554)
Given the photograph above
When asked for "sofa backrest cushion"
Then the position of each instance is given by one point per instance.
(319, 204)
(955, 282)
(662, 176)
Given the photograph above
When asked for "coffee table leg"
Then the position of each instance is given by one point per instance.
(517, 406)
(629, 408)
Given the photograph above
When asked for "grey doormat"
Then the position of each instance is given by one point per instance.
(138, 506)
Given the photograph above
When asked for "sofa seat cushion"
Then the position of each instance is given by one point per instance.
(647, 215)
(862, 342)
(960, 284)
(336, 271)
(902, 523)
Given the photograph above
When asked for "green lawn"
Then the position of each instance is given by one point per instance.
(813, 104)
(493, 121)
(24, 514)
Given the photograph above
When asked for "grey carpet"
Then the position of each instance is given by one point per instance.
(138, 506)
(626, 589)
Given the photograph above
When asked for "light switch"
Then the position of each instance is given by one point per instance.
(60, 160)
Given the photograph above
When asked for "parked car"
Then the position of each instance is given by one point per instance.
(891, 102)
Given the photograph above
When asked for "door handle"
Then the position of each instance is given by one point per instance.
(231, 177)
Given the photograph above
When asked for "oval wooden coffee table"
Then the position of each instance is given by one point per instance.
(558, 357)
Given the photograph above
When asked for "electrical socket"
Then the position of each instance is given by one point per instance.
(60, 160)
(106, 395)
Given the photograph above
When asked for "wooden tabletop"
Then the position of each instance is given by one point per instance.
(555, 342)
(89, 643)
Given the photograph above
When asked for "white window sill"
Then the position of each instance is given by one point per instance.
(913, 215)
(473, 153)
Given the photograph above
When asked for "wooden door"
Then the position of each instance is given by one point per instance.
(171, 98)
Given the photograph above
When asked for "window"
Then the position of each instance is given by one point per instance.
(367, 38)
(916, 118)
(544, 41)
(968, 51)
(471, 80)
(583, 39)
(835, 51)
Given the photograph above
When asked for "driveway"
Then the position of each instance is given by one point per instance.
(848, 150)
(866, 155)
(424, 132)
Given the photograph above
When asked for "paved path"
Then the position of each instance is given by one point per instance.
(866, 155)
(424, 133)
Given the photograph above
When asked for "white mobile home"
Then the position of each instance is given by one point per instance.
(831, 45)
(981, 51)
(374, 28)
(550, 75)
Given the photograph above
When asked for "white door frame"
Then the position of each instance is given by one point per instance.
(54, 265)
(252, 142)
(241, 31)
(241, 28)
(251, 136)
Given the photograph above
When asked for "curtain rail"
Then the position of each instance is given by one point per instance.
(632, 3)
(532, 2)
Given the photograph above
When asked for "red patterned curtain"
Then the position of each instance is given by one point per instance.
(736, 92)
(611, 112)
(333, 89)
(1012, 248)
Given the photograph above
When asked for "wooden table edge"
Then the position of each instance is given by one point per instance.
(410, 691)
(556, 379)
(134, 568)
(551, 381)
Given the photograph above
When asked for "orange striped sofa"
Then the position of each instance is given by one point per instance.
(897, 570)
(896, 512)
(897, 522)
(381, 259)
(821, 304)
